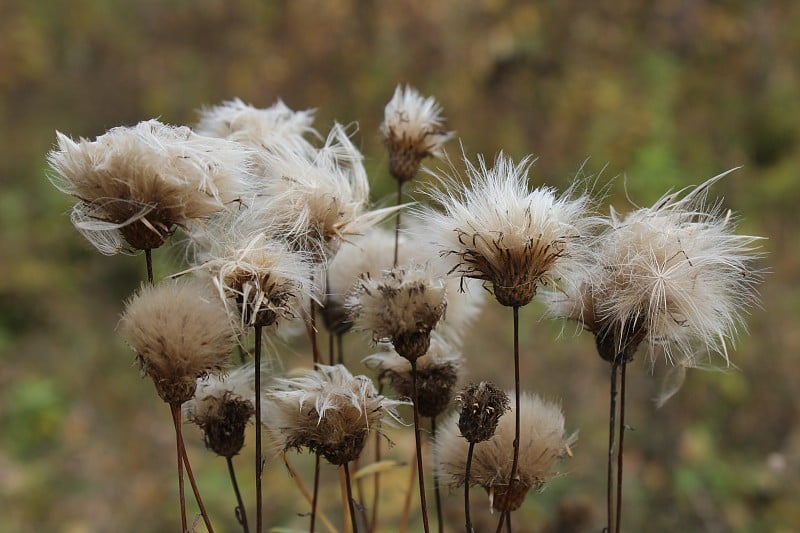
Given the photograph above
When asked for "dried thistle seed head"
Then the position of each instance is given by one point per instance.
(179, 333)
(437, 373)
(542, 443)
(260, 129)
(400, 307)
(135, 185)
(673, 276)
(413, 128)
(222, 407)
(316, 200)
(327, 410)
(482, 405)
(499, 231)
(261, 276)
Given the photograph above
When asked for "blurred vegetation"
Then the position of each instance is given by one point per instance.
(655, 94)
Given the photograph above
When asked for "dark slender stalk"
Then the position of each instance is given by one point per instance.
(621, 441)
(330, 349)
(259, 460)
(189, 474)
(436, 491)
(397, 222)
(240, 511)
(148, 257)
(515, 462)
(508, 521)
(418, 441)
(340, 348)
(466, 487)
(312, 331)
(501, 522)
(176, 410)
(612, 428)
(314, 496)
(350, 497)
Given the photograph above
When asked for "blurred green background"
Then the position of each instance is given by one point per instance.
(654, 94)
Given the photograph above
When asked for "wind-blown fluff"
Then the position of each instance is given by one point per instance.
(401, 307)
(674, 276)
(178, 335)
(327, 410)
(222, 406)
(413, 128)
(136, 184)
(542, 442)
(437, 374)
(497, 230)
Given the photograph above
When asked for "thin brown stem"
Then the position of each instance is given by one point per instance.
(259, 459)
(314, 496)
(176, 410)
(350, 497)
(148, 257)
(240, 511)
(508, 521)
(621, 443)
(436, 491)
(397, 222)
(331, 355)
(407, 501)
(312, 331)
(501, 522)
(515, 461)
(304, 491)
(376, 480)
(189, 474)
(340, 348)
(611, 435)
(466, 487)
(418, 441)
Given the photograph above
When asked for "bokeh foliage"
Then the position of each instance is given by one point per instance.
(654, 94)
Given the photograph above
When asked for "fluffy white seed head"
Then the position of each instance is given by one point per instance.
(413, 128)
(401, 306)
(327, 410)
(542, 442)
(179, 333)
(437, 374)
(136, 184)
(497, 230)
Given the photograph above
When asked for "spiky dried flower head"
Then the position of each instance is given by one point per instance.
(264, 278)
(135, 185)
(222, 407)
(401, 307)
(482, 405)
(542, 442)
(437, 373)
(497, 230)
(179, 333)
(413, 128)
(674, 276)
(315, 201)
(327, 410)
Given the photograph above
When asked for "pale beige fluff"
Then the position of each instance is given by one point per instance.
(543, 441)
(179, 333)
(675, 272)
(413, 120)
(496, 229)
(316, 202)
(136, 184)
(327, 410)
(215, 389)
(400, 301)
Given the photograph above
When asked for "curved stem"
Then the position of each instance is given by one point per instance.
(241, 512)
(259, 460)
(193, 483)
(611, 434)
(466, 487)
(621, 445)
(397, 222)
(176, 421)
(436, 491)
(418, 441)
(350, 497)
(315, 493)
